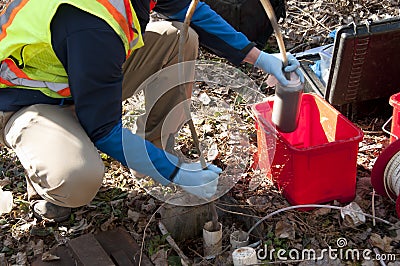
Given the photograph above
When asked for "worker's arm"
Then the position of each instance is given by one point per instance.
(220, 37)
(214, 32)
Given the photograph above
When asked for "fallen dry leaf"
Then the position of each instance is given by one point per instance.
(284, 229)
(383, 244)
(160, 258)
(47, 256)
(21, 258)
(322, 211)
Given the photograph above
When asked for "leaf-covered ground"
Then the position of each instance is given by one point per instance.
(121, 202)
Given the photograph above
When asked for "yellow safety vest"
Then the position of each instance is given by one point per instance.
(26, 55)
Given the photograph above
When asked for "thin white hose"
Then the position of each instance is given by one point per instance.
(311, 206)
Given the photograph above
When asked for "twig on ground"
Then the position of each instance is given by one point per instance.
(373, 207)
(238, 213)
(199, 255)
(184, 259)
(310, 16)
(144, 232)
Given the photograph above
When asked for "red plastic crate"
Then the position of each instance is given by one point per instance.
(316, 163)
(394, 101)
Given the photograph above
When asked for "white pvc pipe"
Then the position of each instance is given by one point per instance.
(244, 256)
(6, 201)
(239, 239)
(212, 240)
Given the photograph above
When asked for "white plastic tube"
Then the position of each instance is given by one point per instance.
(6, 201)
(244, 256)
(239, 239)
(212, 240)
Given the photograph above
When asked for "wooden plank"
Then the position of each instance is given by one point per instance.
(62, 252)
(88, 251)
(120, 240)
(121, 258)
(116, 247)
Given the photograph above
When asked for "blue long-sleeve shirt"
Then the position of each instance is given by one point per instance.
(93, 54)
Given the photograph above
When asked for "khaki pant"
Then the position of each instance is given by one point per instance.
(62, 163)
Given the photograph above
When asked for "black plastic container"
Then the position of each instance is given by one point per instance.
(364, 66)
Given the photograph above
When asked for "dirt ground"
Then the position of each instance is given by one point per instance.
(122, 202)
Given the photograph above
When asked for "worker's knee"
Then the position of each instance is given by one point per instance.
(77, 188)
(84, 186)
(62, 163)
(170, 34)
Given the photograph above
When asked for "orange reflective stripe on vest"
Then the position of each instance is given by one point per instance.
(12, 76)
(121, 14)
(6, 82)
(8, 15)
(132, 30)
(10, 64)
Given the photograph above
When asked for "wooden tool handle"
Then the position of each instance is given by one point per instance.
(188, 18)
(182, 38)
(278, 34)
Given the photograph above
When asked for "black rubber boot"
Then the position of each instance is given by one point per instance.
(44, 210)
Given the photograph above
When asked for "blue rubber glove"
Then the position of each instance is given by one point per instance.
(138, 154)
(273, 64)
(193, 179)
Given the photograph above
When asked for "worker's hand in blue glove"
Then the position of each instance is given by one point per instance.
(193, 179)
(273, 64)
